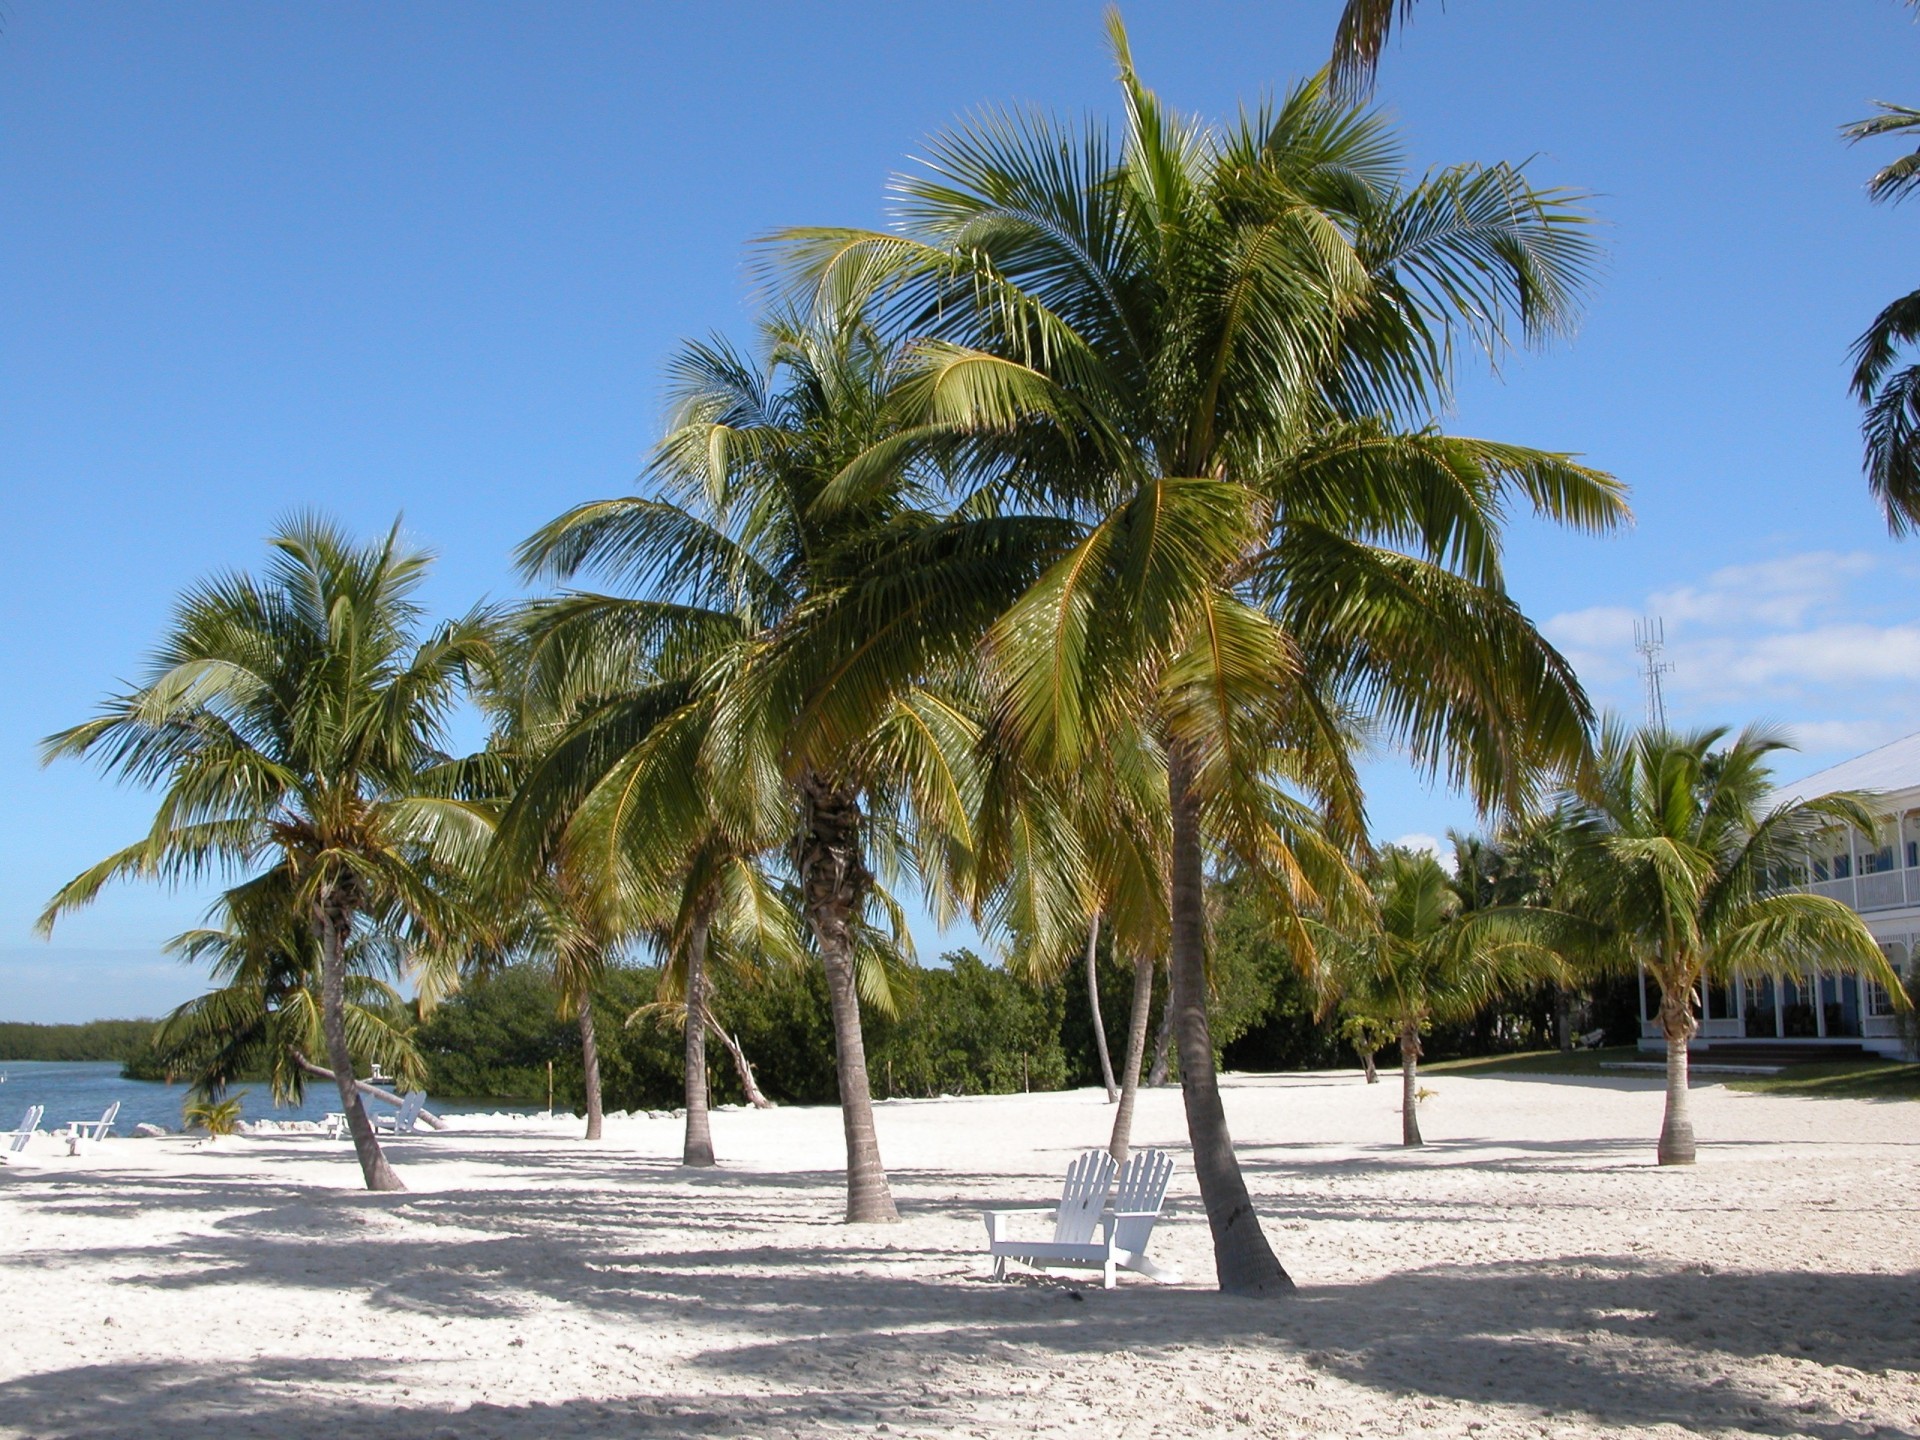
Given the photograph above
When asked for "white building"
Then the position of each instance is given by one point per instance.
(1877, 875)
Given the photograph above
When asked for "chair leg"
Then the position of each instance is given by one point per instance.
(999, 1267)
(1107, 1278)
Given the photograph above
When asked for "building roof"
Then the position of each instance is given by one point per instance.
(1894, 766)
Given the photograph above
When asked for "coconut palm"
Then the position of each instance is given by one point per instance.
(264, 1016)
(1675, 842)
(1216, 352)
(296, 721)
(1424, 959)
(797, 546)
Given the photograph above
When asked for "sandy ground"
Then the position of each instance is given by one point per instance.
(1530, 1273)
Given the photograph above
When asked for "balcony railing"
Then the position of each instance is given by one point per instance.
(1884, 890)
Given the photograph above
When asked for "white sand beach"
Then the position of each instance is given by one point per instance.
(1530, 1273)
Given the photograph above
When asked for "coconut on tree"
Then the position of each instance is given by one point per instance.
(296, 721)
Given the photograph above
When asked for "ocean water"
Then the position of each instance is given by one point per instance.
(81, 1090)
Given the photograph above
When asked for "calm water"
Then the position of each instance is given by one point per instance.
(74, 1090)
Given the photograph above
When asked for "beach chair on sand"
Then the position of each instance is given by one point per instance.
(409, 1116)
(1125, 1228)
(29, 1125)
(76, 1131)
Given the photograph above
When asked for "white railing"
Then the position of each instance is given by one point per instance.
(1886, 890)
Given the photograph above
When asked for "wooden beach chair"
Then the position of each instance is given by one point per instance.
(23, 1134)
(1126, 1227)
(75, 1132)
(409, 1116)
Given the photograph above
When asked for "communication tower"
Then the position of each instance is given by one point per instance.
(1650, 642)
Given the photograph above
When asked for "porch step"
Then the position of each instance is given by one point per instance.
(1775, 1052)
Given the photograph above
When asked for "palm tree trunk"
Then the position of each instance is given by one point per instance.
(590, 1066)
(1122, 1139)
(741, 1068)
(833, 883)
(1093, 1003)
(336, 923)
(1366, 1064)
(1410, 1085)
(1676, 1131)
(1244, 1262)
(1162, 1045)
(1563, 1018)
(698, 1149)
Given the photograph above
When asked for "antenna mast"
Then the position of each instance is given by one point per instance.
(1650, 642)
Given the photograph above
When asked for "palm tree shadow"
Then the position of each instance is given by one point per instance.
(871, 1324)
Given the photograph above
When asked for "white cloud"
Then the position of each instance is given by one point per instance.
(1779, 592)
(1418, 840)
(1825, 638)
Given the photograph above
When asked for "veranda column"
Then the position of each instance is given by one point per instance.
(1819, 1007)
(1779, 1008)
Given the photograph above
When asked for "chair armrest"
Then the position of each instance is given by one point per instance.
(1132, 1214)
(995, 1219)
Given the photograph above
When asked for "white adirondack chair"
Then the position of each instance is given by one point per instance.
(29, 1125)
(74, 1132)
(1126, 1227)
(409, 1116)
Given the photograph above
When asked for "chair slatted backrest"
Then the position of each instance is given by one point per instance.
(28, 1124)
(410, 1109)
(1142, 1187)
(1083, 1198)
(107, 1119)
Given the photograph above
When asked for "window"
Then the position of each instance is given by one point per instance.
(1842, 867)
(1820, 871)
(1879, 1003)
(1913, 854)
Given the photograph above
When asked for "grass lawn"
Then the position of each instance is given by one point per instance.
(1841, 1080)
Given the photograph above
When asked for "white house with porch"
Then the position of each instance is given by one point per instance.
(1879, 876)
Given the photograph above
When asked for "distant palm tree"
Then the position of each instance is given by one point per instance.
(1424, 959)
(1214, 354)
(297, 721)
(1675, 846)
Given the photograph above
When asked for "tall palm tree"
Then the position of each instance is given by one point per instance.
(297, 721)
(796, 534)
(1216, 353)
(1424, 959)
(1675, 842)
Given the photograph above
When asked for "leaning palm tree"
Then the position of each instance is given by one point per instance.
(1215, 353)
(1423, 959)
(296, 721)
(264, 1014)
(1674, 844)
(797, 568)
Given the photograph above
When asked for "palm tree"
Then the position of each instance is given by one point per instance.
(1423, 960)
(1363, 31)
(1675, 843)
(1215, 353)
(798, 563)
(1891, 395)
(264, 1014)
(296, 721)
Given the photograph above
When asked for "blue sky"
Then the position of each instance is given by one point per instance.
(429, 259)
